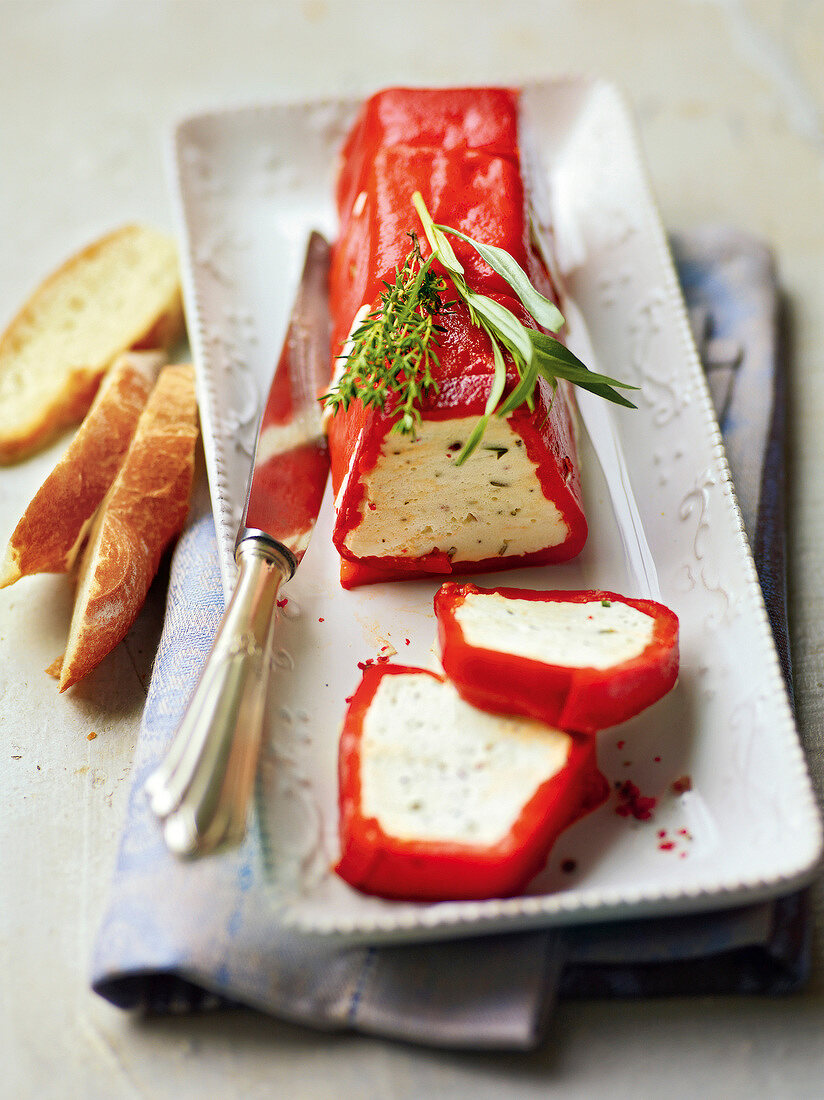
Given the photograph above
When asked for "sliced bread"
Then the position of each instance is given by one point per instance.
(50, 534)
(121, 292)
(142, 512)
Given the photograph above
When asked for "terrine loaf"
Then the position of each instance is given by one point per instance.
(121, 292)
(49, 535)
(144, 509)
(439, 800)
(411, 503)
(581, 660)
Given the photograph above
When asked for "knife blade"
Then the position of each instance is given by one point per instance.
(202, 789)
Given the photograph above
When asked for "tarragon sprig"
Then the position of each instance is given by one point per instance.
(535, 353)
(391, 353)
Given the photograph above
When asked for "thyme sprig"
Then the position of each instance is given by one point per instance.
(392, 352)
(535, 353)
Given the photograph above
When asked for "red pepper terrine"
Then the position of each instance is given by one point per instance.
(442, 801)
(581, 660)
(404, 508)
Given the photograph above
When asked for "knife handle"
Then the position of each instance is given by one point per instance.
(203, 788)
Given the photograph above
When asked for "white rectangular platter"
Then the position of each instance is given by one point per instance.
(250, 184)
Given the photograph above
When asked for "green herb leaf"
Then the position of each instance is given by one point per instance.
(437, 241)
(495, 395)
(544, 311)
(503, 322)
(555, 360)
(524, 389)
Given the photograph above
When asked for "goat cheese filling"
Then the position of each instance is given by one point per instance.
(435, 768)
(572, 635)
(417, 500)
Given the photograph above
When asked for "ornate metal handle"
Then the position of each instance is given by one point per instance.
(202, 789)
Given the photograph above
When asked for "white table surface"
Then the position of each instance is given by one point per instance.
(729, 96)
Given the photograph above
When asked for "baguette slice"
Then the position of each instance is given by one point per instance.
(48, 537)
(121, 292)
(142, 512)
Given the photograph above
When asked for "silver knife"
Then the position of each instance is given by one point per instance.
(202, 790)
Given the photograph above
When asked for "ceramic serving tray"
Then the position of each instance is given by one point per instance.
(735, 819)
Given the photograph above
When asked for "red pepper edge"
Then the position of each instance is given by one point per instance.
(376, 863)
(582, 699)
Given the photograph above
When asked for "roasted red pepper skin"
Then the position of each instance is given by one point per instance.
(376, 863)
(581, 699)
(482, 120)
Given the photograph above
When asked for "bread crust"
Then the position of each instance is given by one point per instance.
(49, 536)
(142, 512)
(154, 319)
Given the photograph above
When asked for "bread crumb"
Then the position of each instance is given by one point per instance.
(55, 667)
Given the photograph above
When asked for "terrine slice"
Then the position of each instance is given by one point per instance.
(439, 800)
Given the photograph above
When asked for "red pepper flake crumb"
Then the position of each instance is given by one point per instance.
(380, 660)
(282, 602)
(672, 845)
(568, 866)
(91, 736)
(627, 763)
(406, 641)
(620, 744)
(321, 619)
(631, 803)
(657, 759)
(372, 506)
(681, 784)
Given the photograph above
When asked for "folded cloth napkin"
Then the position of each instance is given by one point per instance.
(185, 936)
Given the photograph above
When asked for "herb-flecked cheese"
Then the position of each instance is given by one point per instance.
(418, 500)
(573, 635)
(435, 768)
